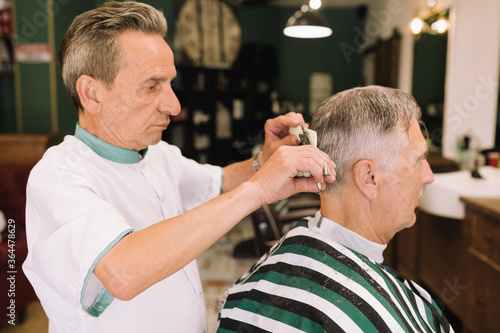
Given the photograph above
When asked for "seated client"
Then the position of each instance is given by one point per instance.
(327, 273)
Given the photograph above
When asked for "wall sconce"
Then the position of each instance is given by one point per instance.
(435, 22)
(307, 23)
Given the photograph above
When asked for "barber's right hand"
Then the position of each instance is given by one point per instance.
(276, 178)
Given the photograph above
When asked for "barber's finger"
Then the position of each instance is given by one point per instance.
(315, 170)
(279, 125)
(328, 170)
(315, 161)
(293, 119)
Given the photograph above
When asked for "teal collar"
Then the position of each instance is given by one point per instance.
(107, 150)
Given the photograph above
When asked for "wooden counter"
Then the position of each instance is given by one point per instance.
(487, 206)
(482, 217)
(24, 149)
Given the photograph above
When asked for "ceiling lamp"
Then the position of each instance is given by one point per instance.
(306, 23)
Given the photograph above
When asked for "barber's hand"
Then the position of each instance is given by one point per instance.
(276, 178)
(276, 134)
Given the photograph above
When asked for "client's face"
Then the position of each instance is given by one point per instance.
(405, 184)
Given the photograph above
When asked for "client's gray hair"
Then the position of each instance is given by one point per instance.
(364, 123)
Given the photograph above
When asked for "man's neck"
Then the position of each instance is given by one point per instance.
(348, 238)
(354, 212)
(95, 127)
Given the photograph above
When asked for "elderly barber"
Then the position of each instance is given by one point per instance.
(327, 274)
(115, 216)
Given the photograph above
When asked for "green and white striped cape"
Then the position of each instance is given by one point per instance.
(309, 283)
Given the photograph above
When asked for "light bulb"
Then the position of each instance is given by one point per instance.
(315, 4)
(307, 31)
(440, 25)
(416, 26)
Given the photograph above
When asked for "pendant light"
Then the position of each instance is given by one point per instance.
(307, 23)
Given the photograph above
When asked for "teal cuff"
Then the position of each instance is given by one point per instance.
(103, 298)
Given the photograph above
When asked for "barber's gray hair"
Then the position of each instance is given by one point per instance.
(364, 123)
(90, 46)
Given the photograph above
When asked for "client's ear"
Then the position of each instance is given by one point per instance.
(88, 90)
(366, 177)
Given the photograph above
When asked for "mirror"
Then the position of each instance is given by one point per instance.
(429, 69)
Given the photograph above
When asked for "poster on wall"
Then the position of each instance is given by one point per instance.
(320, 88)
(33, 53)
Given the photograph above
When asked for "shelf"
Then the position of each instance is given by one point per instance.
(213, 91)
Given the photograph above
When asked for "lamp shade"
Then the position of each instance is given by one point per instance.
(307, 25)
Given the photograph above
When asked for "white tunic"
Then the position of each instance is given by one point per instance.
(80, 202)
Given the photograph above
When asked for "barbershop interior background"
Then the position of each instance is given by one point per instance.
(236, 69)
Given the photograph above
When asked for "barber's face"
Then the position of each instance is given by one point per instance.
(404, 186)
(138, 105)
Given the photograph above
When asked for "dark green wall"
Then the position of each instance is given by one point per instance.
(7, 106)
(32, 25)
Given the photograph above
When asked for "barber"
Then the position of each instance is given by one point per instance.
(116, 217)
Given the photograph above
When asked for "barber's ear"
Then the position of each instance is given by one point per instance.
(366, 177)
(88, 90)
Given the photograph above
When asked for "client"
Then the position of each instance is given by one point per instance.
(327, 273)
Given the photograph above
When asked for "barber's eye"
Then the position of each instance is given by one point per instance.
(152, 86)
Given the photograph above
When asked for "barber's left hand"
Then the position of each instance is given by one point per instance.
(276, 134)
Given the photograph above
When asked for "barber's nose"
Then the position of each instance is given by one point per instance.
(169, 103)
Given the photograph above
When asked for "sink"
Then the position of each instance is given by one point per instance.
(442, 197)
